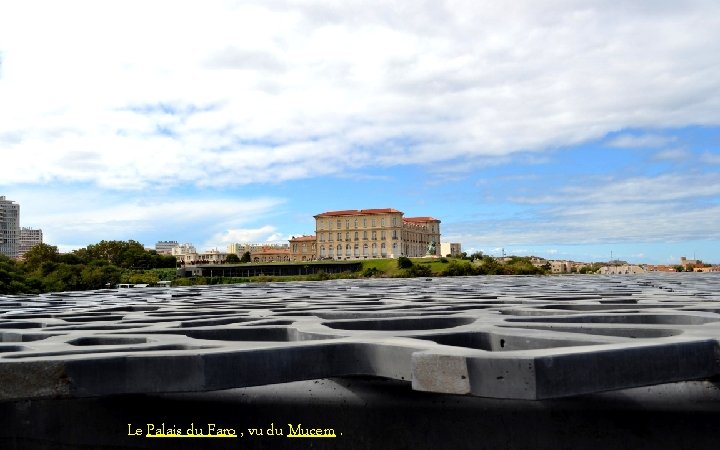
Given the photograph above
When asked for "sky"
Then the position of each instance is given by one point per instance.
(563, 129)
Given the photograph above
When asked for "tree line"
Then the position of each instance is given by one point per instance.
(101, 265)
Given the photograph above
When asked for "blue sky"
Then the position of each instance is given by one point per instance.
(561, 129)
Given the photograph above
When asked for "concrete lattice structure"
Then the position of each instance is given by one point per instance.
(29, 238)
(374, 233)
(9, 227)
(502, 337)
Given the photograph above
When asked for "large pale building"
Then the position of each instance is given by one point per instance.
(9, 227)
(29, 238)
(375, 233)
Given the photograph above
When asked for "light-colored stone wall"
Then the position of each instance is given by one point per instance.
(303, 248)
(373, 233)
(450, 248)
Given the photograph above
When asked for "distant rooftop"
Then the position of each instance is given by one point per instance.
(357, 212)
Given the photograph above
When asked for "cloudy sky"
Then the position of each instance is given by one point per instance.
(564, 129)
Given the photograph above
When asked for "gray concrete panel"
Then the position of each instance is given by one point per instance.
(527, 338)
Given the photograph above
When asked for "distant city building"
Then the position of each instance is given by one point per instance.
(303, 248)
(685, 263)
(625, 269)
(9, 227)
(450, 249)
(239, 249)
(271, 254)
(375, 233)
(183, 249)
(563, 266)
(165, 247)
(29, 238)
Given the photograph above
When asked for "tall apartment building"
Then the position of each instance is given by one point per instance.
(29, 238)
(375, 233)
(9, 227)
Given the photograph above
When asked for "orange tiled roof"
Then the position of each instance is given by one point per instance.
(303, 238)
(269, 251)
(355, 212)
(420, 219)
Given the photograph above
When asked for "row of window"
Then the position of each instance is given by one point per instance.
(355, 222)
(357, 235)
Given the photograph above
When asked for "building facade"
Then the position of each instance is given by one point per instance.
(303, 248)
(271, 254)
(450, 249)
(375, 233)
(165, 247)
(29, 238)
(239, 249)
(9, 227)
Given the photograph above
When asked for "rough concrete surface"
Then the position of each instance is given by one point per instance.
(501, 337)
(539, 362)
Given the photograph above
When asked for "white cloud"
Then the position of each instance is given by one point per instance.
(673, 154)
(664, 209)
(710, 158)
(644, 140)
(75, 217)
(228, 93)
(261, 235)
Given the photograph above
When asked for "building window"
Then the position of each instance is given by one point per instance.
(394, 221)
(339, 237)
(322, 251)
(347, 235)
(356, 236)
(394, 234)
(373, 222)
(364, 223)
(382, 235)
(365, 250)
(374, 249)
(357, 250)
(339, 250)
(347, 224)
(356, 223)
(395, 249)
(338, 224)
(383, 250)
(374, 235)
(382, 222)
(347, 250)
(364, 234)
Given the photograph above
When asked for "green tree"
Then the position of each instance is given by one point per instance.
(100, 274)
(404, 262)
(232, 258)
(39, 254)
(246, 257)
(418, 270)
(12, 278)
